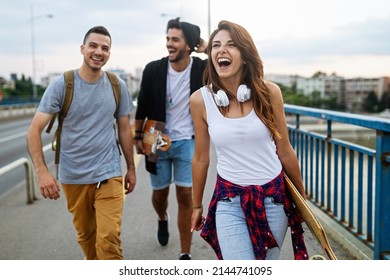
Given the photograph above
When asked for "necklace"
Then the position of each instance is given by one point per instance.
(175, 81)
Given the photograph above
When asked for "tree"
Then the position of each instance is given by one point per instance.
(371, 103)
(385, 101)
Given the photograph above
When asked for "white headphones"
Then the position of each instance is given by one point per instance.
(243, 94)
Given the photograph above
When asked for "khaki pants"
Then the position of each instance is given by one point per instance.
(97, 217)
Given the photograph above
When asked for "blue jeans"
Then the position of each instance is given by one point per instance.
(174, 165)
(233, 234)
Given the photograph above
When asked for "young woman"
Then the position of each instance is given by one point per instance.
(244, 117)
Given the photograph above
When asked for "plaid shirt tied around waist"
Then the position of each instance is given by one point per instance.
(252, 204)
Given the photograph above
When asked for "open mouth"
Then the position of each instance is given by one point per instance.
(171, 51)
(224, 62)
(97, 59)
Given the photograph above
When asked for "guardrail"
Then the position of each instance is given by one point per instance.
(17, 110)
(30, 185)
(28, 174)
(347, 181)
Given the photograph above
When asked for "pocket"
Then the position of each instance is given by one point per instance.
(226, 200)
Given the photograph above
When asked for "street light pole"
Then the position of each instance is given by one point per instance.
(208, 17)
(32, 19)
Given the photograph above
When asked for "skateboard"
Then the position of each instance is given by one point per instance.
(154, 139)
(309, 218)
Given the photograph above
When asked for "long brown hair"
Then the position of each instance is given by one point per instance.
(253, 75)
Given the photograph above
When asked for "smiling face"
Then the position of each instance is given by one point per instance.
(96, 51)
(176, 45)
(226, 56)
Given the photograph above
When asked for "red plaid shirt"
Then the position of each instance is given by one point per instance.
(252, 204)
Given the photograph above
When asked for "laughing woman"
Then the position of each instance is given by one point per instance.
(243, 116)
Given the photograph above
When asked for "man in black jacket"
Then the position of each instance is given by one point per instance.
(164, 96)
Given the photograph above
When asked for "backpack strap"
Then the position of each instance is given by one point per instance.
(69, 79)
(56, 143)
(116, 89)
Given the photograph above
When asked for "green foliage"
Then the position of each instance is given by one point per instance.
(23, 88)
(371, 103)
(292, 96)
(385, 101)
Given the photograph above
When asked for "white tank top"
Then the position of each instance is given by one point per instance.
(246, 153)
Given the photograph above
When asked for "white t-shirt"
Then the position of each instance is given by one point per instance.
(178, 122)
(246, 152)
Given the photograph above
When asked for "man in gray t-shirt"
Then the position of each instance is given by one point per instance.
(90, 165)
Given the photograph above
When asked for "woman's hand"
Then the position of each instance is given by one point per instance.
(197, 220)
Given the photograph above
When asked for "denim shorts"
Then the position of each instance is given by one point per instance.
(232, 230)
(174, 166)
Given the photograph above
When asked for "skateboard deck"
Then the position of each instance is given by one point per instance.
(309, 218)
(154, 139)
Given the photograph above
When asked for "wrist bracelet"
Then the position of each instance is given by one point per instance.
(137, 137)
(139, 131)
(198, 206)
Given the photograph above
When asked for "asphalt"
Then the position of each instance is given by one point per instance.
(43, 230)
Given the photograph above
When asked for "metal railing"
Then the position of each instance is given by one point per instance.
(346, 180)
(17, 110)
(28, 174)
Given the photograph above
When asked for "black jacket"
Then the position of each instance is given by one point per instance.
(151, 99)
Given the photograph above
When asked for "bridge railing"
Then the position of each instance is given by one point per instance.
(349, 181)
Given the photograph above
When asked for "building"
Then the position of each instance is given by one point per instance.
(357, 90)
(349, 93)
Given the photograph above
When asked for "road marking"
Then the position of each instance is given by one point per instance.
(14, 136)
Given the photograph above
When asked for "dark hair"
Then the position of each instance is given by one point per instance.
(253, 74)
(99, 30)
(190, 31)
(173, 23)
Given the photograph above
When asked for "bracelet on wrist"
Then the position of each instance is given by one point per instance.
(138, 137)
(198, 206)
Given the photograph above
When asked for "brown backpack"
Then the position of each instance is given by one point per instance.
(69, 79)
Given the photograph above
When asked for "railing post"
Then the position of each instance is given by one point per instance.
(328, 165)
(382, 197)
(30, 182)
(29, 176)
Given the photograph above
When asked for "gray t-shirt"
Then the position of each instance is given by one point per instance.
(89, 151)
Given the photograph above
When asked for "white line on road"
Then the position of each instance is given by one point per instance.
(14, 136)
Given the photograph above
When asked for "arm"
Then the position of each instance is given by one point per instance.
(126, 142)
(284, 149)
(201, 158)
(48, 185)
(139, 145)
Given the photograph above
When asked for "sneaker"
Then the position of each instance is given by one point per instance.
(162, 232)
(185, 256)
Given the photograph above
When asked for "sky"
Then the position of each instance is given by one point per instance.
(296, 37)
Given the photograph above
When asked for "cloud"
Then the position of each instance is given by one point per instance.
(370, 37)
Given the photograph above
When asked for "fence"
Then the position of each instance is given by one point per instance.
(346, 180)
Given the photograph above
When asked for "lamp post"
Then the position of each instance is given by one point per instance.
(208, 17)
(32, 19)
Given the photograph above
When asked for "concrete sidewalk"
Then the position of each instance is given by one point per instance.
(44, 231)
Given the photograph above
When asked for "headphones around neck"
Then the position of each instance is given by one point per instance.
(243, 94)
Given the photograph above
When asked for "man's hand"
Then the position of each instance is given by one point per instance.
(48, 186)
(202, 47)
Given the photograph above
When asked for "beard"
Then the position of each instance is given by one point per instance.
(180, 54)
(92, 66)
